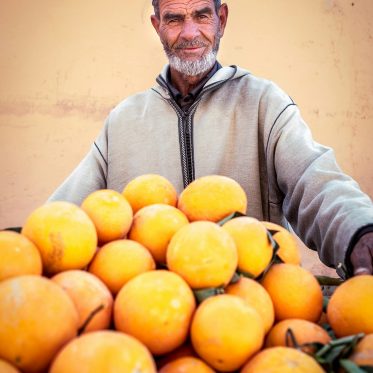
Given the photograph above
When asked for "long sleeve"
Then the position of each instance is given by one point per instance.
(88, 176)
(324, 206)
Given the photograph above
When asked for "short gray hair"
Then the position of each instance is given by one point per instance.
(155, 4)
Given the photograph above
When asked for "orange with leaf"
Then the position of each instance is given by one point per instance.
(295, 292)
(289, 250)
(204, 254)
(212, 198)
(254, 247)
(350, 308)
(103, 351)
(282, 360)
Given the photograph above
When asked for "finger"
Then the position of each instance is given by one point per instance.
(361, 260)
(362, 271)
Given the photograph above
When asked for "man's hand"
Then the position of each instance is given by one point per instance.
(362, 256)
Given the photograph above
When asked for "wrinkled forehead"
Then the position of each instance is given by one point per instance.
(184, 6)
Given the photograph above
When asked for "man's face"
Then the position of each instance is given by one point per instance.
(190, 31)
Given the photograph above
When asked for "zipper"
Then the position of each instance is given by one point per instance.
(185, 127)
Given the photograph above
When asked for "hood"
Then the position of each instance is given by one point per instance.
(223, 75)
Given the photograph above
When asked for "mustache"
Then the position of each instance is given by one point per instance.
(191, 44)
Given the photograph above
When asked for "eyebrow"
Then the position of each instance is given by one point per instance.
(206, 10)
(169, 15)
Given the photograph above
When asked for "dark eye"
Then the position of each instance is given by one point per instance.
(202, 16)
(173, 21)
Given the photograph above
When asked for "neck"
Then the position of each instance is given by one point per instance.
(185, 83)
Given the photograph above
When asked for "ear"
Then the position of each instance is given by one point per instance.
(155, 22)
(223, 17)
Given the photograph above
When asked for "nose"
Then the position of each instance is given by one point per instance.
(189, 30)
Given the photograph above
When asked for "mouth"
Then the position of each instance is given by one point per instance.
(191, 45)
(191, 50)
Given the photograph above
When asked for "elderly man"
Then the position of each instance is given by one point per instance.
(202, 118)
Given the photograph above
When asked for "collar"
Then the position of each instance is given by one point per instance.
(187, 100)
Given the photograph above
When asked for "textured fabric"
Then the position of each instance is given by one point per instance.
(245, 128)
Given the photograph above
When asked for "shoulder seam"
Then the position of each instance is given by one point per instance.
(273, 125)
(102, 156)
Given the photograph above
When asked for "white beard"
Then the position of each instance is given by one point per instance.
(193, 68)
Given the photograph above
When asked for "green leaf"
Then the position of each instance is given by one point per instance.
(337, 349)
(236, 277)
(323, 352)
(350, 367)
(349, 340)
(235, 214)
(273, 242)
(13, 229)
(275, 258)
(202, 294)
(246, 274)
(329, 355)
(89, 318)
(290, 339)
(273, 231)
(329, 281)
(367, 368)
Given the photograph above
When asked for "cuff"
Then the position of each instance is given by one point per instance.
(356, 237)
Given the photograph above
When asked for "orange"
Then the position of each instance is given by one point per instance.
(212, 198)
(104, 351)
(118, 261)
(149, 189)
(204, 254)
(184, 350)
(88, 294)
(254, 248)
(64, 234)
(110, 212)
(363, 352)
(282, 360)
(5, 367)
(294, 291)
(304, 332)
(289, 251)
(37, 318)
(18, 256)
(186, 365)
(350, 308)
(226, 331)
(255, 296)
(153, 226)
(155, 307)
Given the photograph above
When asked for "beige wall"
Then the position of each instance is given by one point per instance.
(64, 64)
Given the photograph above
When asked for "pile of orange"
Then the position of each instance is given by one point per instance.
(149, 279)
